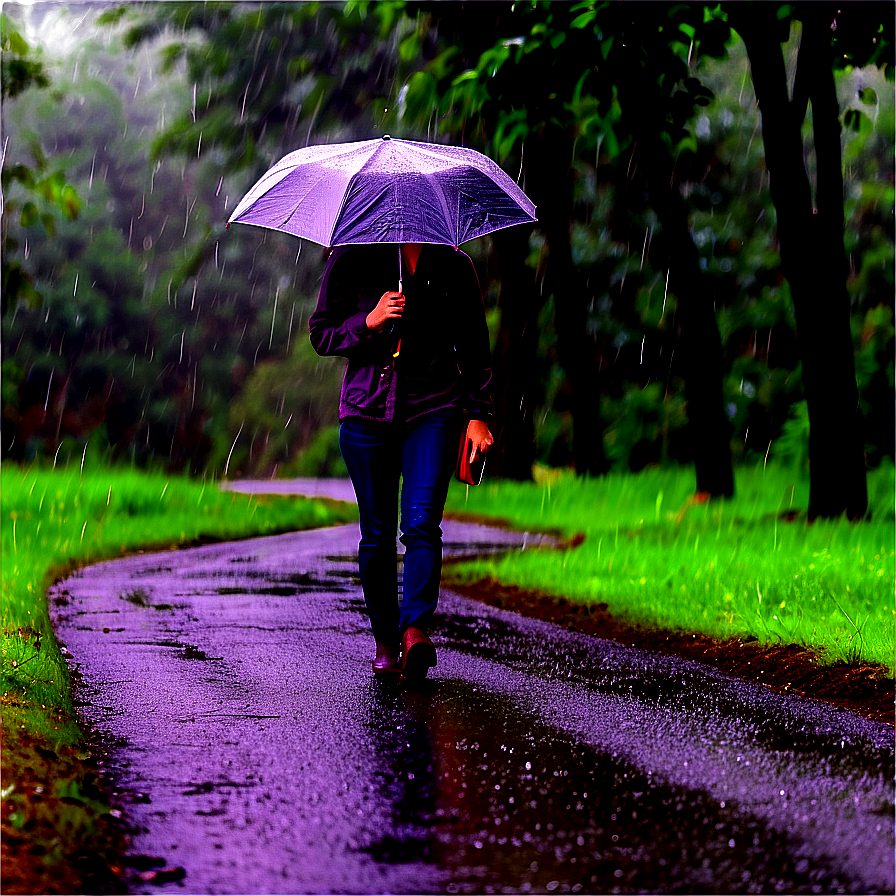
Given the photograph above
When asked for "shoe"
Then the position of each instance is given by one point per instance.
(386, 660)
(418, 653)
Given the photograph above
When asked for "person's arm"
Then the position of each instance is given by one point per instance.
(474, 355)
(335, 334)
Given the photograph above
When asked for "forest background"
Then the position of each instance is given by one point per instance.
(137, 330)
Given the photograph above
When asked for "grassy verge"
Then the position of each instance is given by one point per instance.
(55, 821)
(748, 567)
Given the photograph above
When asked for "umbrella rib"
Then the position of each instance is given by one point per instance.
(446, 211)
(346, 193)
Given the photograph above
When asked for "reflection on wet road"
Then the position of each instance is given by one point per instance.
(255, 750)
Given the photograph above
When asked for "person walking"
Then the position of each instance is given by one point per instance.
(418, 369)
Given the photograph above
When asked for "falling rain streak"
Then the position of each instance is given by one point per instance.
(131, 134)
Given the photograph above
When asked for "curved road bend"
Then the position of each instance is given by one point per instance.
(255, 753)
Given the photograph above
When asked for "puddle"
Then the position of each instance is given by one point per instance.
(503, 803)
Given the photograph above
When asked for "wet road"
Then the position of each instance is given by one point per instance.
(254, 750)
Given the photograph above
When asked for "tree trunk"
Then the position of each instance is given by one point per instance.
(553, 161)
(700, 344)
(812, 252)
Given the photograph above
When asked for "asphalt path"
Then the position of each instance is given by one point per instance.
(253, 751)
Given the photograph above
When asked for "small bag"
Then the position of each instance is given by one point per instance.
(466, 472)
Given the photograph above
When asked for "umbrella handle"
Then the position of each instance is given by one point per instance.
(397, 351)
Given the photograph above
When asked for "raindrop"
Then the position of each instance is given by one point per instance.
(289, 332)
(47, 401)
(273, 318)
(230, 453)
(187, 220)
(80, 21)
(75, 290)
(220, 183)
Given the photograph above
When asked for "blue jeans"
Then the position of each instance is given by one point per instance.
(423, 452)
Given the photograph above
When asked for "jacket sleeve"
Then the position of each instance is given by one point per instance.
(338, 326)
(472, 343)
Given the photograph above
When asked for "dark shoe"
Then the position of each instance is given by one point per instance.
(386, 660)
(418, 653)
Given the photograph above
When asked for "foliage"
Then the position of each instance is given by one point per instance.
(34, 190)
(282, 408)
(514, 90)
(750, 567)
(60, 833)
(19, 70)
(322, 457)
(163, 339)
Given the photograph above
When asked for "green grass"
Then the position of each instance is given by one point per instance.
(725, 568)
(55, 520)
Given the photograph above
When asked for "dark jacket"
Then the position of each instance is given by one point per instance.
(444, 360)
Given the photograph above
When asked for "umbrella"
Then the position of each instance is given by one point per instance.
(385, 191)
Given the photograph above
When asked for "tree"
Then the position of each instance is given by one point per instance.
(811, 221)
(602, 76)
(39, 195)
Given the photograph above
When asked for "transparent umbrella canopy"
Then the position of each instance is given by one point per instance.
(385, 191)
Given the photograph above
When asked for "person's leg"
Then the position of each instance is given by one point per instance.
(428, 459)
(372, 455)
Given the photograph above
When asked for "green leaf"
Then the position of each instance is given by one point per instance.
(469, 75)
(29, 215)
(583, 20)
(409, 48)
(421, 96)
(577, 91)
(512, 127)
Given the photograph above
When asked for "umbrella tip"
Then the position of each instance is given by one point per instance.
(386, 137)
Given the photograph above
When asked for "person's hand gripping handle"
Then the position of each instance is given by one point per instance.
(388, 310)
(481, 438)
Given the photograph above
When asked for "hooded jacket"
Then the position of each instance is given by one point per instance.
(444, 359)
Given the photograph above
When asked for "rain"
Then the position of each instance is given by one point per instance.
(645, 312)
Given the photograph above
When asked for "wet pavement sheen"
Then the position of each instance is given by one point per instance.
(254, 749)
